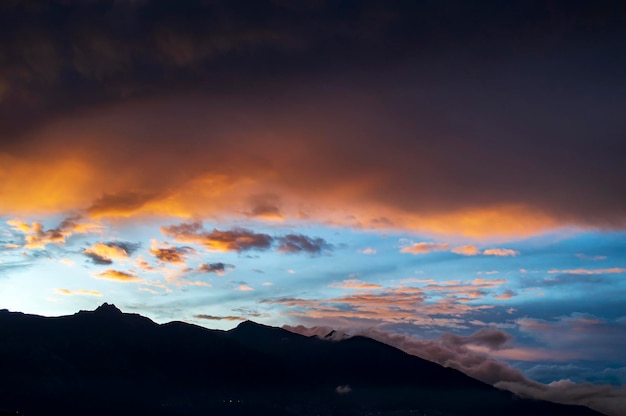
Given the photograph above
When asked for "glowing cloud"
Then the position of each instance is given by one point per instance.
(79, 292)
(466, 250)
(170, 254)
(37, 237)
(237, 239)
(105, 253)
(118, 276)
(422, 248)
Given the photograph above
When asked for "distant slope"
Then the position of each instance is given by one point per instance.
(106, 362)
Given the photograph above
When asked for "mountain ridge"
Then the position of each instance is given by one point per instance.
(129, 364)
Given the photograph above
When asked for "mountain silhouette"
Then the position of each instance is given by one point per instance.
(106, 362)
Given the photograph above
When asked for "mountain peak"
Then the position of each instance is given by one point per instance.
(108, 309)
(249, 323)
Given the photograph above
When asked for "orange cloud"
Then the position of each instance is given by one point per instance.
(37, 236)
(79, 292)
(105, 253)
(467, 250)
(266, 207)
(506, 295)
(168, 254)
(237, 239)
(401, 304)
(289, 170)
(37, 184)
(119, 276)
(422, 247)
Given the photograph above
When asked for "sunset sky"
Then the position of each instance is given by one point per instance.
(427, 168)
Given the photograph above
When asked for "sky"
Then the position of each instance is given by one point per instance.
(445, 176)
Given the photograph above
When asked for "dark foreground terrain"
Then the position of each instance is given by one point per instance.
(106, 362)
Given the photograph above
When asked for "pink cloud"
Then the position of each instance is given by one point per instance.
(423, 247)
(355, 284)
(500, 252)
(614, 270)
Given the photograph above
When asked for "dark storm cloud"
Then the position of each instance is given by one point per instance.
(433, 116)
(298, 243)
(100, 50)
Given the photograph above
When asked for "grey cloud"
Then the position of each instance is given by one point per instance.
(242, 239)
(604, 398)
(567, 279)
(609, 400)
(127, 246)
(236, 239)
(582, 372)
(97, 259)
(5, 268)
(587, 335)
(218, 268)
(494, 339)
(448, 351)
(298, 243)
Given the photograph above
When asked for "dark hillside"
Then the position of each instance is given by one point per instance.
(106, 362)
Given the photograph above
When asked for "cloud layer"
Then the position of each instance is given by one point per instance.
(108, 113)
(456, 351)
